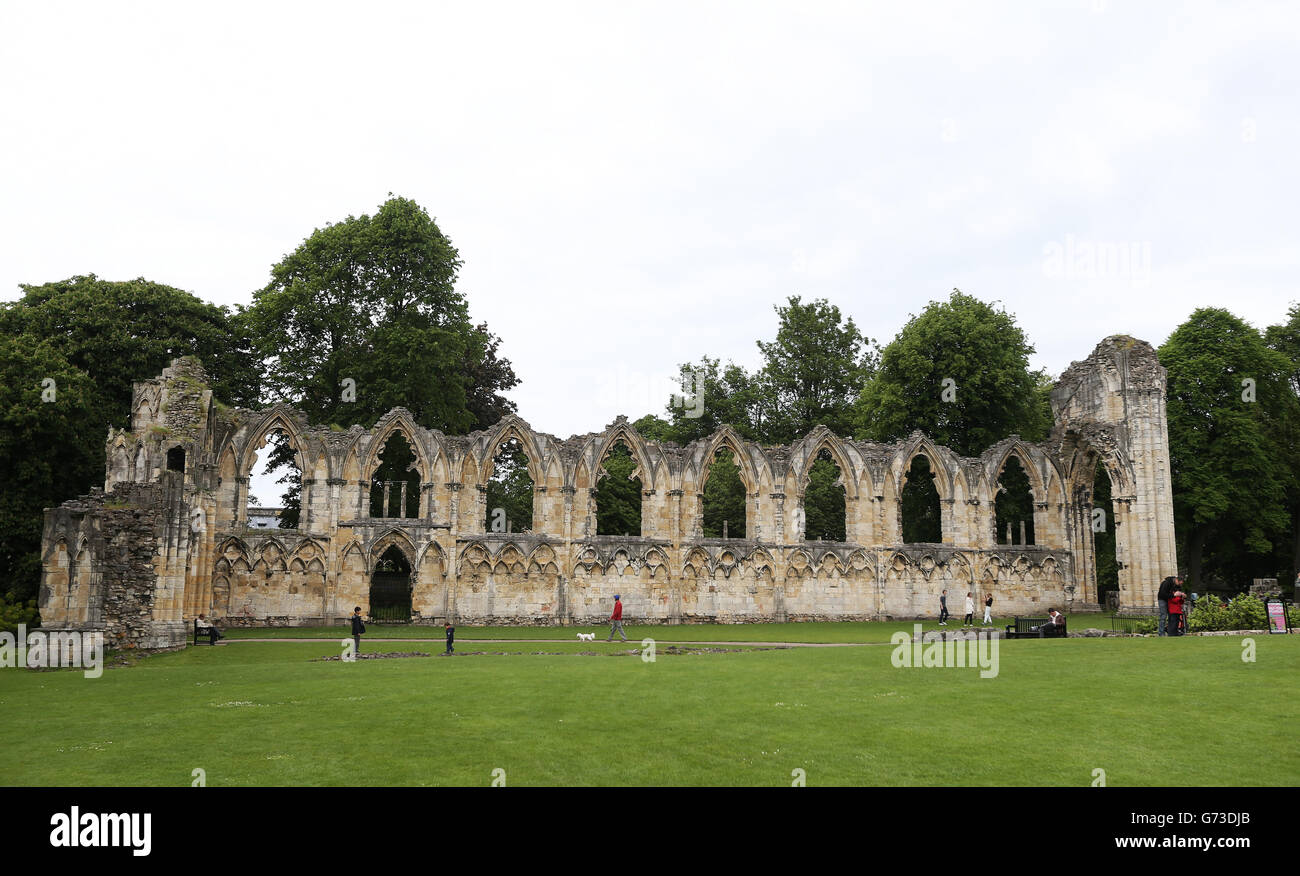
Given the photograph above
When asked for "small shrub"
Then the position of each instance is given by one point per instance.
(1146, 625)
(13, 613)
(1209, 614)
(1246, 612)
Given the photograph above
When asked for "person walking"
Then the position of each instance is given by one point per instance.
(970, 610)
(988, 610)
(1162, 600)
(357, 629)
(943, 609)
(616, 619)
(450, 632)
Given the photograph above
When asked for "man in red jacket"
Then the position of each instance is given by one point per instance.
(616, 619)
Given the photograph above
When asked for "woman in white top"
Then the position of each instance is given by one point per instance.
(970, 611)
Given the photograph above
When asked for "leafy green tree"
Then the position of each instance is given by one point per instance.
(364, 316)
(653, 428)
(93, 338)
(395, 468)
(45, 456)
(511, 489)
(919, 506)
(824, 508)
(724, 498)
(121, 332)
(813, 371)
(373, 299)
(1014, 503)
(1228, 394)
(714, 396)
(1104, 541)
(618, 498)
(1285, 339)
(958, 372)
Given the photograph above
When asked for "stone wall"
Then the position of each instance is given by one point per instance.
(192, 523)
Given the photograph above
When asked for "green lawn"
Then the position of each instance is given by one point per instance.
(868, 631)
(1147, 711)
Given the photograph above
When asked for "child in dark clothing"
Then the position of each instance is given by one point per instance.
(451, 636)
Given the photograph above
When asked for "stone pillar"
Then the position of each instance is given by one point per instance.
(453, 512)
(778, 515)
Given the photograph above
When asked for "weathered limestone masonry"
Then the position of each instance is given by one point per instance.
(168, 537)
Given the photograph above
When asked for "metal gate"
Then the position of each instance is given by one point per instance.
(390, 597)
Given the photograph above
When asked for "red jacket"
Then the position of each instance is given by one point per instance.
(618, 611)
(1176, 605)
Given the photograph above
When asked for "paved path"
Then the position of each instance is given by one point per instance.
(658, 642)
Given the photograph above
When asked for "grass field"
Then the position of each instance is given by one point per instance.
(846, 632)
(1147, 711)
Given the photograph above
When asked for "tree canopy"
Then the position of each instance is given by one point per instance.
(364, 316)
(1229, 401)
(91, 339)
(959, 372)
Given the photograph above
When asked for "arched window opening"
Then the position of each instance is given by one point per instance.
(618, 495)
(919, 508)
(395, 485)
(824, 504)
(509, 490)
(724, 498)
(1103, 535)
(275, 472)
(1014, 505)
(390, 587)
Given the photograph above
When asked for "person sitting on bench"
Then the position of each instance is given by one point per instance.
(1054, 620)
(213, 633)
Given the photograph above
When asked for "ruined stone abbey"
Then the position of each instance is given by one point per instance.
(168, 537)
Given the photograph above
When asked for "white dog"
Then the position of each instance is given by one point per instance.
(589, 637)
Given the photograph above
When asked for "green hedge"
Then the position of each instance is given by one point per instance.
(1242, 612)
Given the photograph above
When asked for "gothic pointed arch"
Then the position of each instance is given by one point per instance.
(280, 418)
(515, 427)
(393, 538)
(727, 437)
(623, 431)
(819, 439)
(920, 445)
(1029, 458)
(398, 420)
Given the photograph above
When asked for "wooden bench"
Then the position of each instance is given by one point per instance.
(203, 631)
(1031, 628)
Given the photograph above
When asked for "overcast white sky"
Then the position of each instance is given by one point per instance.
(634, 185)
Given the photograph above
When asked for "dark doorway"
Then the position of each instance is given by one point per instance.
(1103, 534)
(510, 491)
(919, 508)
(1014, 505)
(823, 501)
(395, 486)
(390, 588)
(723, 500)
(618, 495)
